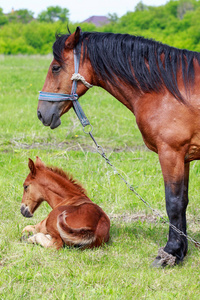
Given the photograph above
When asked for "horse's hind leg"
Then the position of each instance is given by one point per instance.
(176, 175)
(45, 241)
(41, 239)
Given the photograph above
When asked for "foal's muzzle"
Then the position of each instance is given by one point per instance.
(25, 211)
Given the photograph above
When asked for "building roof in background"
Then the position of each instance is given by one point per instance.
(97, 20)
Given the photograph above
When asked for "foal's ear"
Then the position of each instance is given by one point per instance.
(39, 163)
(73, 39)
(32, 167)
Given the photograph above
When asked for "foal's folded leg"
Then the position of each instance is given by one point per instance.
(45, 240)
(41, 239)
(33, 229)
(29, 229)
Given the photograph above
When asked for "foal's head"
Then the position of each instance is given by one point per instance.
(33, 189)
(49, 184)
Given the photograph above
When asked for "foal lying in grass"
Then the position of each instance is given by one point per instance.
(74, 219)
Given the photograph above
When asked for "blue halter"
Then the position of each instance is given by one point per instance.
(56, 97)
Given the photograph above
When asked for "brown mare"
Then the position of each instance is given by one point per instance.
(159, 84)
(74, 219)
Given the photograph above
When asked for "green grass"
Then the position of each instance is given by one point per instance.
(121, 269)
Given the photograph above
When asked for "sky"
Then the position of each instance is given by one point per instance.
(79, 9)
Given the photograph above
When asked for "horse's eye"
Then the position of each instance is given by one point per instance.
(25, 187)
(56, 68)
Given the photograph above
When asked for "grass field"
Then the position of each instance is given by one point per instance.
(121, 269)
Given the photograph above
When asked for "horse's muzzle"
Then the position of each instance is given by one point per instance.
(53, 121)
(49, 113)
(25, 211)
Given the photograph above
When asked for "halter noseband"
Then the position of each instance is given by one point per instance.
(57, 97)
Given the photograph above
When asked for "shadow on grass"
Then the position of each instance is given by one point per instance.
(144, 232)
(156, 233)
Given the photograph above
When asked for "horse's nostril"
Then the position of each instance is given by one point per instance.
(39, 115)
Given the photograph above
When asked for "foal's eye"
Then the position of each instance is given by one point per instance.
(25, 187)
(56, 68)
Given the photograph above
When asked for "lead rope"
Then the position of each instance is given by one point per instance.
(100, 150)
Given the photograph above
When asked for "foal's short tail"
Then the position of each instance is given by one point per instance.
(82, 237)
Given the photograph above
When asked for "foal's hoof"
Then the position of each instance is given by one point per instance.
(25, 236)
(32, 239)
(29, 239)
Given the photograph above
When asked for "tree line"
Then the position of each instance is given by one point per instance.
(176, 23)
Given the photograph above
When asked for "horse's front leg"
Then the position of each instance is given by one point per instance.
(38, 234)
(33, 229)
(176, 175)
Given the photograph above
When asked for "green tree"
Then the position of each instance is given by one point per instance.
(183, 7)
(3, 18)
(113, 18)
(25, 15)
(21, 15)
(141, 6)
(53, 14)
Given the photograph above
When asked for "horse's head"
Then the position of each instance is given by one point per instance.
(32, 196)
(59, 76)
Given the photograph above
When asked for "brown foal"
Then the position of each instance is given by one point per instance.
(74, 220)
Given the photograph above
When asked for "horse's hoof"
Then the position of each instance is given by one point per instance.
(164, 259)
(158, 263)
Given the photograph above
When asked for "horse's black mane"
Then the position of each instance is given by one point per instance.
(145, 64)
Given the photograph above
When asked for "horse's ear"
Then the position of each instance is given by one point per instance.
(39, 163)
(77, 34)
(73, 39)
(32, 167)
